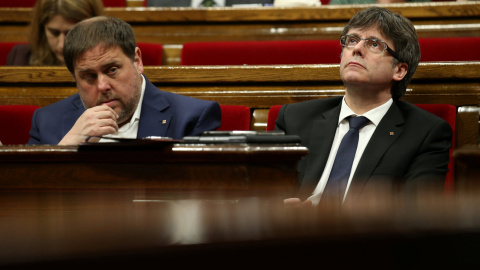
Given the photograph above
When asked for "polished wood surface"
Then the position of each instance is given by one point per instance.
(468, 161)
(171, 167)
(456, 83)
(127, 228)
(172, 27)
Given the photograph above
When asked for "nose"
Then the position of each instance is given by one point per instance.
(103, 83)
(359, 49)
(61, 41)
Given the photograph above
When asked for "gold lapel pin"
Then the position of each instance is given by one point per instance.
(164, 121)
(391, 133)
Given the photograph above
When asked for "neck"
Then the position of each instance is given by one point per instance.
(363, 101)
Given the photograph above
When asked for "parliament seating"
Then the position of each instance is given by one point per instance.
(31, 3)
(235, 117)
(114, 3)
(14, 4)
(449, 49)
(312, 51)
(5, 48)
(16, 121)
(152, 53)
(444, 111)
(261, 52)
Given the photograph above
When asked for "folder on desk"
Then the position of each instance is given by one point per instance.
(249, 136)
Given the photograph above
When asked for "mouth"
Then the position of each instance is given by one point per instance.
(355, 64)
(110, 103)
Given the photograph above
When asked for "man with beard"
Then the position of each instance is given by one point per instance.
(114, 98)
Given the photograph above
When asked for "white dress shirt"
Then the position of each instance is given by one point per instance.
(130, 129)
(375, 116)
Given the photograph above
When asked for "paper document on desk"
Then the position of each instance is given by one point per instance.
(262, 137)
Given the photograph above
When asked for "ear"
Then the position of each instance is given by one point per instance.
(400, 71)
(137, 61)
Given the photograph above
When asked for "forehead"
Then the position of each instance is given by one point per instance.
(98, 57)
(371, 32)
(60, 22)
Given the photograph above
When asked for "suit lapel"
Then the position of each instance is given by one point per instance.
(388, 130)
(154, 117)
(319, 146)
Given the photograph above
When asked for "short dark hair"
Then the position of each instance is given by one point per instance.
(107, 31)
(400, 30)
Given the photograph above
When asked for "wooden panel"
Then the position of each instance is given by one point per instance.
(456, 83)
(179, 25)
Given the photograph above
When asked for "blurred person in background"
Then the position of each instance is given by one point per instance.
(52, 19)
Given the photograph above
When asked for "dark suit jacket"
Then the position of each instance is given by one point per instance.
(409, 148)
(185, 116)
(19, 55)
(187, 3)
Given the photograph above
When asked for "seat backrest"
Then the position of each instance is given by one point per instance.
(283, 52)
(16, 121)
(19, 3)
(272, 117)
(114, 3)
(151, 53)
(5, 48)
(449, 49)
(445, 111)
(448, 113)
(235, 117)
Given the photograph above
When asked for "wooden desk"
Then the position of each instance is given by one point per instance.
(236, 168)
(120, 229)
(468, 161)
(172, 27)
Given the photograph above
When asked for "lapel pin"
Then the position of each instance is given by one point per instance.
(391, 133)
(164, 121)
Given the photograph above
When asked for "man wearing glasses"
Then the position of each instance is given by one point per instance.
(368, 141)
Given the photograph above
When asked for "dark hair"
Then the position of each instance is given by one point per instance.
(400, 30)
(109, 32)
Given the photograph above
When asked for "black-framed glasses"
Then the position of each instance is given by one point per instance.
(374, 45)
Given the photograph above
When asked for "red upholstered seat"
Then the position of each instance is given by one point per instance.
(151, 53)
(449, 49)
(114, 3)
(5, 48)
(448, 113)
(18, 3)
(16, 121)
(235, 117)
(261, 52)
(444, 111)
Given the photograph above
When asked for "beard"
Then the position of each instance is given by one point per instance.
(125, 108)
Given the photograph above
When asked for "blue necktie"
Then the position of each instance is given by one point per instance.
(342, 166)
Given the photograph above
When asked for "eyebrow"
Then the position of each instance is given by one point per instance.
(108, 64)
(369, 37)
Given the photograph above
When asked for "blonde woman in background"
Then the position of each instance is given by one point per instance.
(52, 19)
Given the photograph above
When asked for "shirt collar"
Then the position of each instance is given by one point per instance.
(375, 115)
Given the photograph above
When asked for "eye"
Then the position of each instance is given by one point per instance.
(374, 43)
(89, 77)
(112, 70)
(352, 40)
(54, 32)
